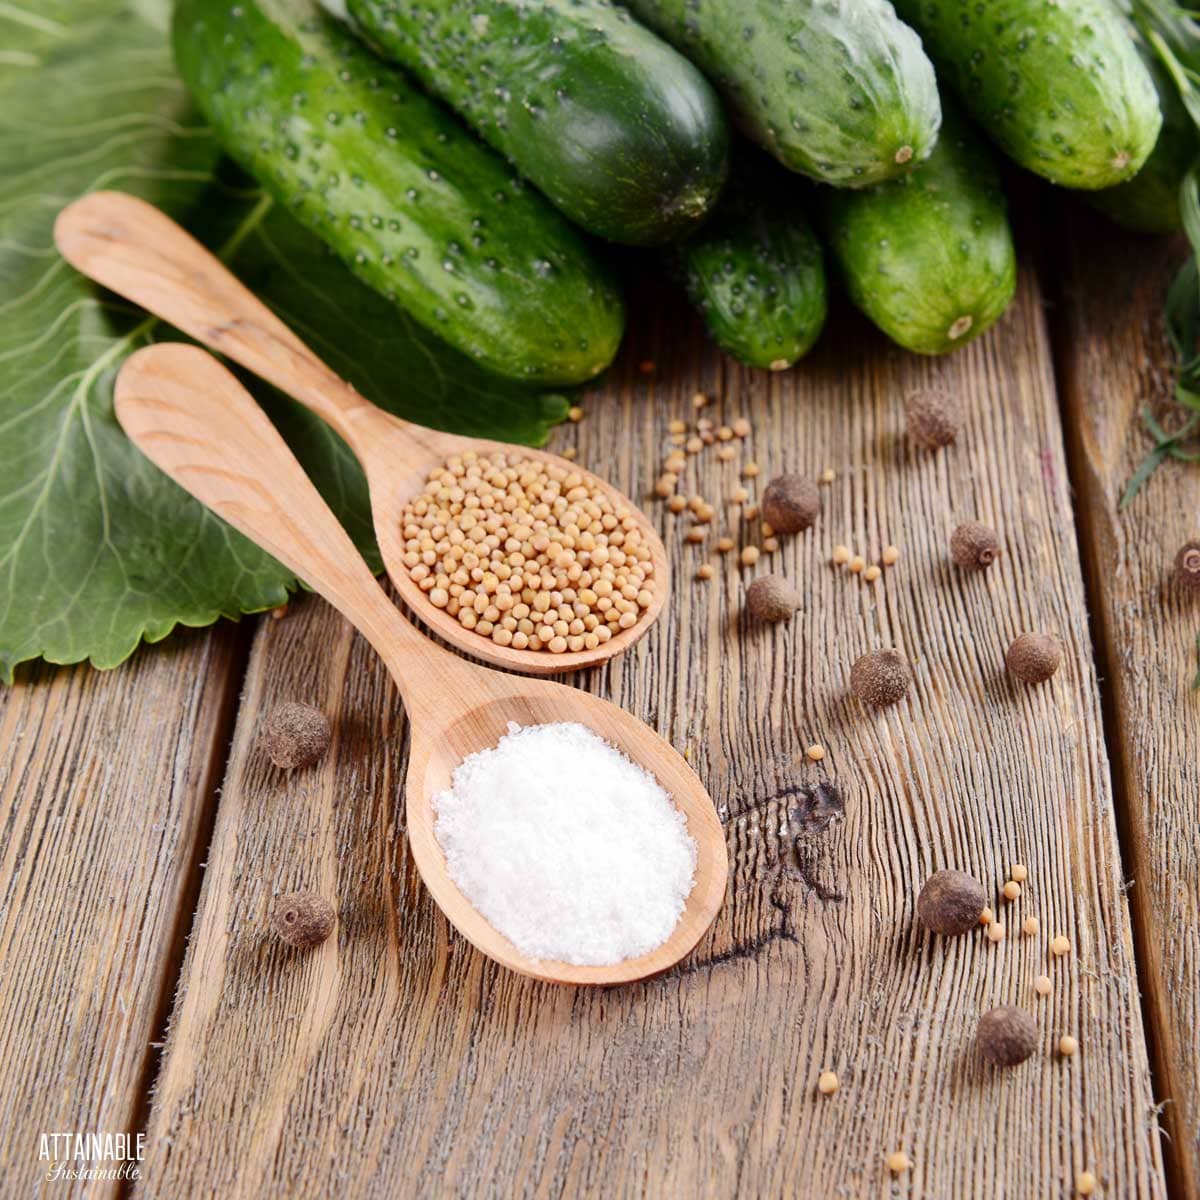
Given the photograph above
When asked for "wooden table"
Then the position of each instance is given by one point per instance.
(145, 835)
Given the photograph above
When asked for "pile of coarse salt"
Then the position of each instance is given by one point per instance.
(565, 846)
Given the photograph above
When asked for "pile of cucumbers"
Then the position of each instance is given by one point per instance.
(469, 158)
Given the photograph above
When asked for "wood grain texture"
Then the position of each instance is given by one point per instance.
(396, 1061)
(1115, 361)
(106, 791)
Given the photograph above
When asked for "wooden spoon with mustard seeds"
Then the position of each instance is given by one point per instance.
(137, 251)
(194, 420)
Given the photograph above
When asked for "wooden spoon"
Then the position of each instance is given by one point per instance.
(137, 251)
(193, 419)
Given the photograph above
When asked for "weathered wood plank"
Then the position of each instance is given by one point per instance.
(106, 795)
(396, 1061)
(1115, 361)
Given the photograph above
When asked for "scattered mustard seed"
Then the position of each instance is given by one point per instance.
(827, 1083)
(575, 413)
(749, 555)
(666, 484)
(1011, 890)
(1060, 945)
(724, 544)
(724, 434)
(705, 513)
(1085, 1183)
(857, 564)
(750, 512)
(828, 475)
(1042, 985)
(704, 571)
(740, 496)
(770, 545)
(570, 453)
(995, 932)
(841, 555)
(676, 462)
(872, 573)
(986, 917)
(697, 533)
(677, 439)
(704, 424)
(707, 437)
(727, 454)
(815, 753)
(898, 1162)
(677, 426)
(646, 367)
(767, 529)
(677, 504)
(695, 503)
(693, 445)
(1067, 1046)
(890, 556)
(750, 470)
(741, 427)
(699, 400)
(1019, 872)
(1030, 927)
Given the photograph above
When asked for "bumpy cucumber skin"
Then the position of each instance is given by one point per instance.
(1149, 202)
(398, 189)
(1057, 83)
(755, 271)
(837, 89)
(929, 258)
(619, 130)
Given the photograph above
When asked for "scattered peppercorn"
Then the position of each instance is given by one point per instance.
(1060, 945)
(303, 919)
(827, 1083)
(1187, 566)
(647, 367)
(791, 503)
(973, 546)
(1042, 985)
(296, 735)
(933, 418)
(1033, 657)
(1030, 926)
(951, 902)
(1011, 890)
(881, 678)
(1006, 1035)
(772, 598)
(1067, 1046)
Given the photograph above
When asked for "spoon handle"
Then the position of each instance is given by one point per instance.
(137, 251)
(195, 421)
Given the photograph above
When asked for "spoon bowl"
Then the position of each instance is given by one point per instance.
(193, 419)
(137, 251)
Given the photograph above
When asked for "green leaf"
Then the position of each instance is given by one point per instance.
(98, 550)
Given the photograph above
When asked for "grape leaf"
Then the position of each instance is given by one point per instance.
(98, 550)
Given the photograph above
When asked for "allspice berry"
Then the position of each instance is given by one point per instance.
(771, 598)
(1033, 657)
(1007, 1035)
(881, 678)
(296, 735)
(950, 902)
(303, 919)
(1187, 566)
(973, 546)
(933, 418)
(791, 503)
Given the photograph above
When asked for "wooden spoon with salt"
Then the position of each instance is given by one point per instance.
(137, 251)
(192, 418)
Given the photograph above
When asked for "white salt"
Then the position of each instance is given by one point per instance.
(565, 846)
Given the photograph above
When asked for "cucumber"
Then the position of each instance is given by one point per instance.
(619, 130)
(410, 201)
(1057, 83)
(754, 271)
(1149, 202)
(836, 89)
(928, 258)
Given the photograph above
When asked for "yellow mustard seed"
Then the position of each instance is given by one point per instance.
(727, 454)
(750, 470)
(767, 529)
(1042, 985)
(677, 503)
(827, 1083)
(676, 461)
(815, 752)
(841, 555)
(740, 495)
(1060, 945)
(705, 512)
(570, 453)
(986, 917)
(741, 427)
(693, 445)
(724, 544)
(1067, 1046)
(890, 556)
(677, 439)
(995, 932)
(770, 545)
(724, 434)
(749, 555)
(704, 424)
(707, 437)
(704, 571)
(1011, 890)
(1086, 1183)
(872, 573)
(697, 533)
(575, 413)
(1030, 926)
(1019, 872)
(750, 512)
(695, 503)
(665, 485)
(699, 400)
(828, 475)
(857, 564)
(898, 1162)
(677, 426)
(646, 367)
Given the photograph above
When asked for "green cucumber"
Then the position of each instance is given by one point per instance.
(836, 89)
(619, 130)
(1149, 202)
(754, 271)
(1057, 83)
(415, 206)
(928, 258)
